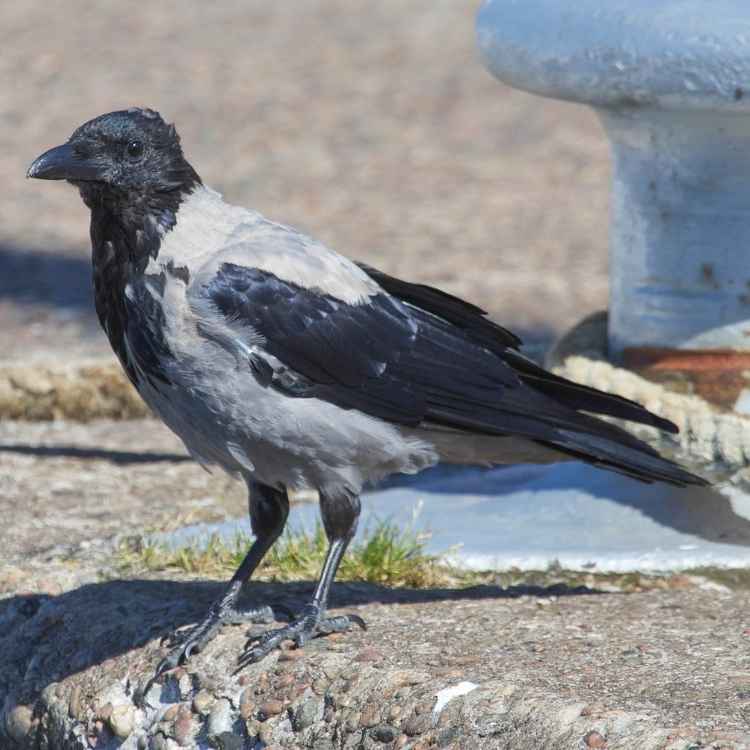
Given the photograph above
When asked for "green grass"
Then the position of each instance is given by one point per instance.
(391, 556)
(386, 555)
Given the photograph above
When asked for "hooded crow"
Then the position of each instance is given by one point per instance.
(294, 368)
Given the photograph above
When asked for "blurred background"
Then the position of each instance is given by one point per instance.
(372, 126)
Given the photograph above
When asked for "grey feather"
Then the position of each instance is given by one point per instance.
(300, 393)
(222, 412)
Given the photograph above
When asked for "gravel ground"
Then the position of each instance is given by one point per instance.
(666, 669)
(371, 125)
(555, 669)
(63, 484)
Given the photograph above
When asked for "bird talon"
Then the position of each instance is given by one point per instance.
(264, 638)
(165, 665)
(194, 640)
(297, 633)
(171, 639)
(266, 615)
(358, 620)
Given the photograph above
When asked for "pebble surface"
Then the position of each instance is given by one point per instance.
(595, 670)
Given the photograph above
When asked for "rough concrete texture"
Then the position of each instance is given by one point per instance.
(63, 484)
(552, 668)
(555, 668)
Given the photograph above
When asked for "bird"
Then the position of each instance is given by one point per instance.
(295, 368)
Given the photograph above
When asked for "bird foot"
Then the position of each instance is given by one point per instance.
(185, 644)
(310, 624)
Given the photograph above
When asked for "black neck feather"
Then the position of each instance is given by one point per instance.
(126, 232)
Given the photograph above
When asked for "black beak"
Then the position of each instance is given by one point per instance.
(63, 163)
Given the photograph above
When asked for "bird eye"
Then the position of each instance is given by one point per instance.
(135, 149)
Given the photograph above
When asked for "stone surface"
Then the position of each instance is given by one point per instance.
(656, 670)
(78, 643)
(69, 485)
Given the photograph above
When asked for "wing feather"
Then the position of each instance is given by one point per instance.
(445, 365)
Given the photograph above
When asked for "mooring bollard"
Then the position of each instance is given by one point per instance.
(670, 80)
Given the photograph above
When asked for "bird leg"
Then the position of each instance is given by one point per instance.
(339, 514)
(269, 509)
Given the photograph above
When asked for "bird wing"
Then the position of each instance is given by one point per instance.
(480, 329)
(462, 314)
(313, 324)
(376, 353)
(339, 332)
(310, 344)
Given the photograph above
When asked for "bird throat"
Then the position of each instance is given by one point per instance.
(126, 234)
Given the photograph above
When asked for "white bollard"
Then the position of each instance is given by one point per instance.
(670, 80)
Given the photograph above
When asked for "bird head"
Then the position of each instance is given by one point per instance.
(125, 154)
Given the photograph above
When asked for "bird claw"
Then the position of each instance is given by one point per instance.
(311, 624)
(184, 645)
(176, 637)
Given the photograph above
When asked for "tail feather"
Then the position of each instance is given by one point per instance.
(556, 423)
(599, 442)
(583, 397)
(637, 461)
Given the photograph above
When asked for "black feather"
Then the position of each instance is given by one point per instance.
(473, 320)
(462, 314)
(411, 366)
(578, 396)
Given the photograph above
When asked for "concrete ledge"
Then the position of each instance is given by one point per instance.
(488, 668)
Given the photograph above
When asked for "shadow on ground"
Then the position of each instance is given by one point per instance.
(55, 279)
(48, 638)
(96, 454)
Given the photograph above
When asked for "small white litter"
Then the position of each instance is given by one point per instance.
(446, 695)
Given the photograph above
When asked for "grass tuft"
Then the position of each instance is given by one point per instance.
(386, 555)
(392, 556)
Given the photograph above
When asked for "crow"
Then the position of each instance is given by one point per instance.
(293, 367)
